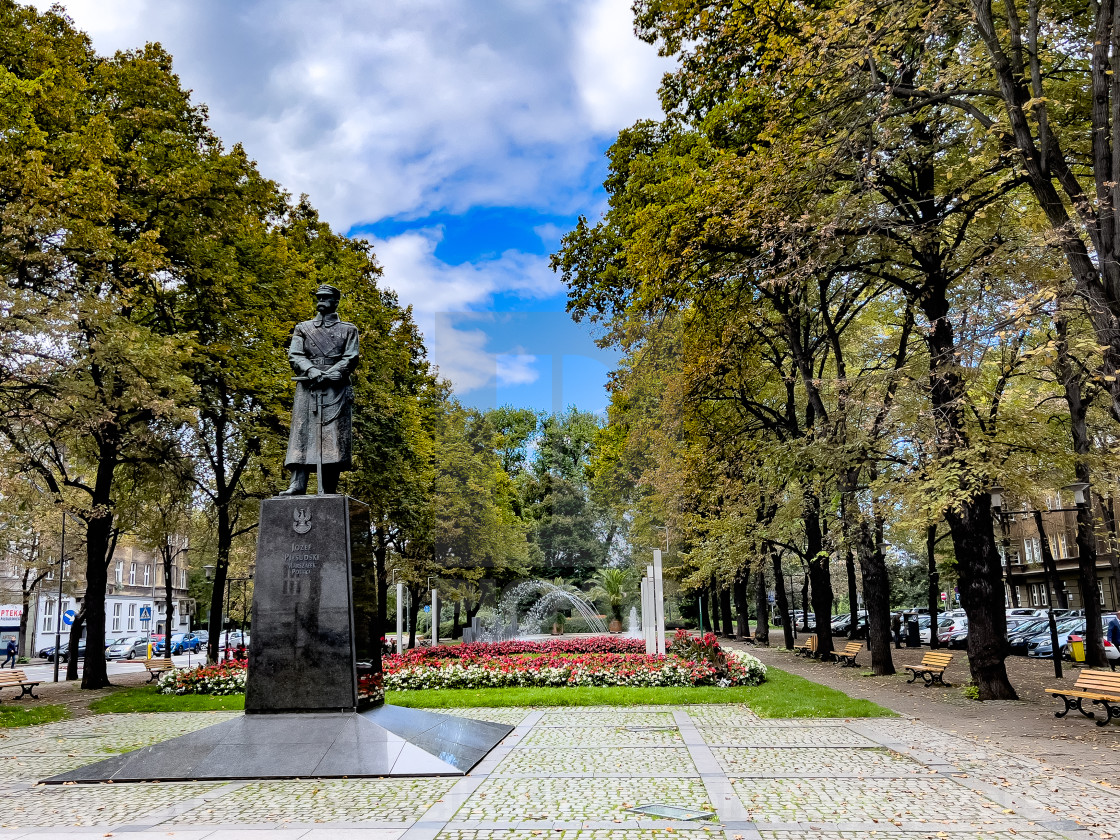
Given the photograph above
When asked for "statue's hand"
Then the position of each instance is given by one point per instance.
(333, 375)
(314, 374)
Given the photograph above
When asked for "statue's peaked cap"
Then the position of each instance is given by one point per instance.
(326, 289)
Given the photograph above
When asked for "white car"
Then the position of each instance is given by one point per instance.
(129, 647)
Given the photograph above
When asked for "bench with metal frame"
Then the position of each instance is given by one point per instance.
(847, 656)
(13, 678)
(809, 648)
(1102, 687)
(158, 666)
(931, 669)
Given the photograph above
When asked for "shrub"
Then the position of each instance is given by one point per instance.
(223, 678)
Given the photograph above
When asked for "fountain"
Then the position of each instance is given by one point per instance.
(634, 626)
(507, 624)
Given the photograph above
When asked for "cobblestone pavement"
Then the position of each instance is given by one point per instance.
(575, 775)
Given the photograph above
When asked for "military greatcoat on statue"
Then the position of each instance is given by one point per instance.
(324, 344)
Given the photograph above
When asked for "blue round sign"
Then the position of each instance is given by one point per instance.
(68, 617)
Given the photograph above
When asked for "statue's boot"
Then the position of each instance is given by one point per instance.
(298, 485)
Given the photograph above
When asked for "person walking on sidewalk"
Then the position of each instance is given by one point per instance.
(10, 654)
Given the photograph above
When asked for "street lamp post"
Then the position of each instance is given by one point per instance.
(58, 622)
(997, 505)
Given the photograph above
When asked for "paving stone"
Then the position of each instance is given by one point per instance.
(578, 736)
(92, 805)
(109, 734)
(598, 761)
(930, 799)
(576, 834)
(605, 717)
(500, 798)
(732, 715)
(320, 801)
(785, 736)
(796, 761)
(911, 835)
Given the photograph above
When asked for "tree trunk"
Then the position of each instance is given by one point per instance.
(74, 639)
(780, 601)
(853, 594)
(970, 519)
(819, 576)
(725, 612)
(934, 591)
(217, 593)
(99, 529)
(456, 613)
(742, 620)
(877, 600)
(1108, 509)
(705, 619)
(804, 601)
(1068, 374)
(761, 623)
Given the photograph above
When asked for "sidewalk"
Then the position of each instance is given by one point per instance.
(1026, 727)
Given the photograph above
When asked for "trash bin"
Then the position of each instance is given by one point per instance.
(1077, 648)
(913, 636)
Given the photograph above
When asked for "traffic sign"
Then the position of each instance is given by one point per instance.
(145, 613)
(68, 617)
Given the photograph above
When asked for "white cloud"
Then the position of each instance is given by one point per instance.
(517, 369)
(404, 107)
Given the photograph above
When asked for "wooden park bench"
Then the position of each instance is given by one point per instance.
(1102, 687)
(931, 669)
(809, 648)
(848, 655)
(158, 666)
(17, 679)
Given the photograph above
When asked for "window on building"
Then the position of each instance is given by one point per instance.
(132, 615)
(1100, 591)
(132, 575)
(119, 576)
(1028, 550)
(183, 579)
(48, 615)
(1063, 544)
(116, 617)
(148, 574)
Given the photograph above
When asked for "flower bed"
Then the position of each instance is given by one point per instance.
(223, 678)
(564, 663)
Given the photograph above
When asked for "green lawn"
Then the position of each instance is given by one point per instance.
(783, 695)
(12, 716)
(146, 698)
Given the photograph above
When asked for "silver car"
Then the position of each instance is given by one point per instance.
(130, 647)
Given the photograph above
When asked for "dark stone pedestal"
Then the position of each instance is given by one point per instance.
(302, 652)
(302, 701)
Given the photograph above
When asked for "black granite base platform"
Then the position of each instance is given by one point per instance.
(386, 741)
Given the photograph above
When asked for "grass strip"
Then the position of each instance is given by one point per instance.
(146, 698)
(13, 716)
(783, 695)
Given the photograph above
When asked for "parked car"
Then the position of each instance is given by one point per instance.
(203, 637)
(64, 652)
(1018, 637)
(123, 647)
(1042, 645)
(949, 625)
(180, 643)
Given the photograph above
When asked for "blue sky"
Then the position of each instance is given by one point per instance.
(461, 138)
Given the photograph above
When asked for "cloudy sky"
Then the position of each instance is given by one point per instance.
(462, 138)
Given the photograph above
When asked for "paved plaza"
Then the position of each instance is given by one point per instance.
(573, 774)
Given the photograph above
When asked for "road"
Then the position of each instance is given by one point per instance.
(45, 670)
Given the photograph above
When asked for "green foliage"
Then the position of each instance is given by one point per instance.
(147, 698)
(15, 716)
(783, 695)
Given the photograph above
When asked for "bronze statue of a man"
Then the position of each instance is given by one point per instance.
(322, 353)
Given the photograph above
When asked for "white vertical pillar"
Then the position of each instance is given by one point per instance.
(658, 603)
(651, 622)
(400, 617)
(435, 617)
(645, 612)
